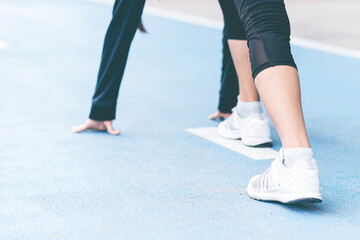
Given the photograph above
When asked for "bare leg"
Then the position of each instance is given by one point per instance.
(293, 177)
(279, 88)
(95, 125)
(240, 54)
(248, 122)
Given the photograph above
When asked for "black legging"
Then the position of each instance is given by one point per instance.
(233, 26)
(233, 29)
(229, 89)
(265, 25)
(121, 31)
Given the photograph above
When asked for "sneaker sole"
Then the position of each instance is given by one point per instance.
(287, 198)
(295, 201)
(250, 142)
(305, 201)
(261, 145)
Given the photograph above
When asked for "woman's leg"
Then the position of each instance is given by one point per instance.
(293, 176)
(119, 36)
(279, 88)
(229, 89)
(247, 122)
(240, 53)
(120, 33)
(274, 70)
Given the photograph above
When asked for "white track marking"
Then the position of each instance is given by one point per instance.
(306, 43)
(209, 133)
(4, 45)
(218, 24)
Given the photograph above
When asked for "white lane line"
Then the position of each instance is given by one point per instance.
(209, 133)
(4, 45)
(306, 43)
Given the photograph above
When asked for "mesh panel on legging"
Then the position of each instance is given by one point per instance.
(268, 33)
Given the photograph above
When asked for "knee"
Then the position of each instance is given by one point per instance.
(269, 50)
(268, 34)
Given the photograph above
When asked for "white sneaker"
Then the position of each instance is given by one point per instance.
(298, 184)
(254, 130)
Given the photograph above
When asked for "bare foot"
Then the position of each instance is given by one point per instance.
(97, 126)
(218, 115)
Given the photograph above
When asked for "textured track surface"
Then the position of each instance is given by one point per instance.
(155, 181)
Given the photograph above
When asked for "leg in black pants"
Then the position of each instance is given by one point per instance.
(233, 29)
(229, 89)
(293, 176)
(126, 18)
(121, 31)
(229, 85)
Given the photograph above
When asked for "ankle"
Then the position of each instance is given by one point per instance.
(297, 144)
(290, 156)
(245, 109)
(246, 99)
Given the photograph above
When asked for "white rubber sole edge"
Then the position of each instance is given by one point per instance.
(248, 141)
(285, 196)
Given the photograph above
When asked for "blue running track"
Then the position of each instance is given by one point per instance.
(155, 181)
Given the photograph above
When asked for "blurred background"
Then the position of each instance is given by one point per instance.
(334, 22)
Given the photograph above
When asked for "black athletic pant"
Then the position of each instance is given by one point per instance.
(233, 29)
(267, 29)
(121, 31)
(265, 23)
(229, 89)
